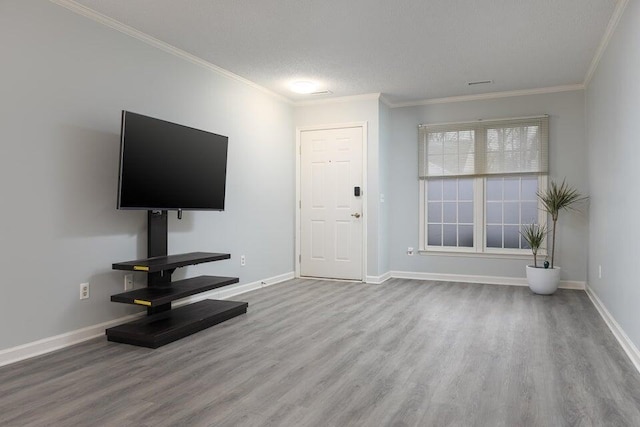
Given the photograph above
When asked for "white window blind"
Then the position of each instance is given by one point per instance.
(491, 147)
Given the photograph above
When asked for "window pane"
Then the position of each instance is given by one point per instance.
(511, 161)
(465, 189)
(494, 162)
(450, 164)
(512, 189)
(465, 236)
(494, 236)
(434, 213)
(494, 188)
(511, 237)
(450, 237)
(465, 212)
(529, 188)
(493, 139)
(530, 160)
(449, 189)
(435, 165)
(494, 213)
(434, 189)
(531, 138)
(466, 164)
(511, 213)
(512, 139)
(506, 210)
(435, 143)
(450, 212)
(466, 149)
(435, 235)
(446, 213)
(529, 212)
(524, 244)
(451, 143)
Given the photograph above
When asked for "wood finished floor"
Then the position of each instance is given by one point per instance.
(321, 353)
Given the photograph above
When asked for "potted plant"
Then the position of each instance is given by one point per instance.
(558, 197)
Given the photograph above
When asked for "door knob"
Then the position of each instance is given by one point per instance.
(357, 215)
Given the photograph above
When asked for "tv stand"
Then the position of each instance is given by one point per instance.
(163, 324)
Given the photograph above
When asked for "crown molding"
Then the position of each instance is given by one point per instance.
(351, 98)
(385, 101)
(490, 95)
(606, 38)
(152, 41)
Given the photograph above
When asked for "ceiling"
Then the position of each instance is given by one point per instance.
(408, 50)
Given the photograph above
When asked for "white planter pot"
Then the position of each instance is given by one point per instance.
(543, 281)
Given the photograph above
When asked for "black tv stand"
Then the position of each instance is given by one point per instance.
(164, 324)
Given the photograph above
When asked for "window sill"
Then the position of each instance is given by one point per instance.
(496, 255)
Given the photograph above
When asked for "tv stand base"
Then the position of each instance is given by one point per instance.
(163, 328)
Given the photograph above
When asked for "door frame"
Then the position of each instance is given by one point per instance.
(298, 207)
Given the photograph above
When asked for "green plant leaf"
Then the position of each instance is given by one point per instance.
(558, 197)
(534, 235)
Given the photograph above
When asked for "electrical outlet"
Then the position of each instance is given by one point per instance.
(410, 251)
(128, 282)
(84, 290)
(243, 260)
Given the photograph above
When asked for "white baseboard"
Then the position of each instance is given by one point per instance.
(376, 280)
(230, 291)
(47, 345)
(627, 345)
(490, 280)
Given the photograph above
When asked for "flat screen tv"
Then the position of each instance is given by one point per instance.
(167, 166)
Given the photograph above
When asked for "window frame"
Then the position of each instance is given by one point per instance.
(479, 222)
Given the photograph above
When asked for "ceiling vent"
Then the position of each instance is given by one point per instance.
(321, 92)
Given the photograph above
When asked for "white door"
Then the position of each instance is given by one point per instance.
(331, 212)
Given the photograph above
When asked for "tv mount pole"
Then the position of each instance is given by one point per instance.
(157, 245)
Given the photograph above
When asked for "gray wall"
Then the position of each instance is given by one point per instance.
(65, 79)
(383, 168)
(567, 159)
(613, 127)
(363, 109)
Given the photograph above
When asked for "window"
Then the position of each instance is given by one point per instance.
(450, 212)
(479, 183)
(510, 203)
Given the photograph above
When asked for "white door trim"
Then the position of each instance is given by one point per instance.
(365, 192)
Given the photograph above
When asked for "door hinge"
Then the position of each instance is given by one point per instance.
(300, 259)
(299, 204)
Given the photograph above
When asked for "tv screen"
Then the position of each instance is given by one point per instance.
(166, 166)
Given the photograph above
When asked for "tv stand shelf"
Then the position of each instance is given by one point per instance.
(163, 324)
(162, 328)
(169, 262)
(154, 296)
